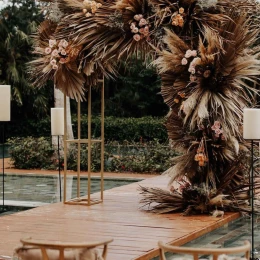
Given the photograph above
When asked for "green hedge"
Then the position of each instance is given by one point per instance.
(38, 153)
(119, 129)
(31, 153)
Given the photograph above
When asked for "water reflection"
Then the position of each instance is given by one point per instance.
(42, 188)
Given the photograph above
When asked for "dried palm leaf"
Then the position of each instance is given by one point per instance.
(161, 201)
(56, 61)
(220, 74)
(185, 165)
(197, 199)
(109, 34)
(69, 81)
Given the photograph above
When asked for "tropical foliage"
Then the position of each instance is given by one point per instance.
(32, 153)
(17, 21)
(130, 129)
(202, 51)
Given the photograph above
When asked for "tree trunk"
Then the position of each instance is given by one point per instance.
(59, 102)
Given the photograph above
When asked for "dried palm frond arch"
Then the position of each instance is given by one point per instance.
(203, 52)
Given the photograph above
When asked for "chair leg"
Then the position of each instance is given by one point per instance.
(196, 256)
(247, 255)
(162, 255)
(44, 254)
(61, 254)
(104, 254)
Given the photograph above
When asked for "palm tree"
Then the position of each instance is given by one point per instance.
(15, 52)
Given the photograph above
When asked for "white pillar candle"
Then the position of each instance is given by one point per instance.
(57, 121)
(5, 103)
(251, 125)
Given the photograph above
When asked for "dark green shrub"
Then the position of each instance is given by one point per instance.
(31, 153)
(119, 129)
(131, 129)
(142, 157)
(95, 157)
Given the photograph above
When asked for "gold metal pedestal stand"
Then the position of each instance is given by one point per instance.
(87, 200)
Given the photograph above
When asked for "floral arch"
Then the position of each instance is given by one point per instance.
(206, 54)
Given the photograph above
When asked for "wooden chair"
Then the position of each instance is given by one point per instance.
(33, 249)
(195, 252)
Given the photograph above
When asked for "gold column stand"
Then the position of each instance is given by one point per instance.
(87, 200)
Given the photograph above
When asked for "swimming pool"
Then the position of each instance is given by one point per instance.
(36, 190)
(231, 234)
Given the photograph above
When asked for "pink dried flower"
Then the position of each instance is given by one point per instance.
(188, 54)
(146, 29)
(191, 67)
(63, 52)
(216, 125)
(55, 53)
(196, 61)
(137, 37)
(62, 60)
(141, 30)
(192, 71)
(48, 50)
(194, 53)
(53, 62)
(184, 61)
(142, 22)
(135, 30)
(132, 26)
(137, 17)
(52, 43)
(64, 43)
(218, 132)
(181, 10)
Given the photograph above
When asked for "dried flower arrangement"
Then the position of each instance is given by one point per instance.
(203, 52)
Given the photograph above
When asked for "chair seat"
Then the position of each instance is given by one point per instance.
(215, 253)
(40, 250)
(34, 253)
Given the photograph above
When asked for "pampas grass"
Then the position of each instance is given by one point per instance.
(209, 71)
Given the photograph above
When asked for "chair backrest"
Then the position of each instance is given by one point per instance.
(195, 252)
(43, 246)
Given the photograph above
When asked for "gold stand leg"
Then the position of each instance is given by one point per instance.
(79, 147)
(65, 151)
(102, 138)
(85, 201)
(89, 144)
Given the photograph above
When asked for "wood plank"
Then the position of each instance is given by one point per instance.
(135, 231)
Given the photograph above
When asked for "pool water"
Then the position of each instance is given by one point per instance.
(39, 189)
(230, 235)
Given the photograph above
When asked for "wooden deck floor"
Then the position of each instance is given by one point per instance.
(135, 232)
